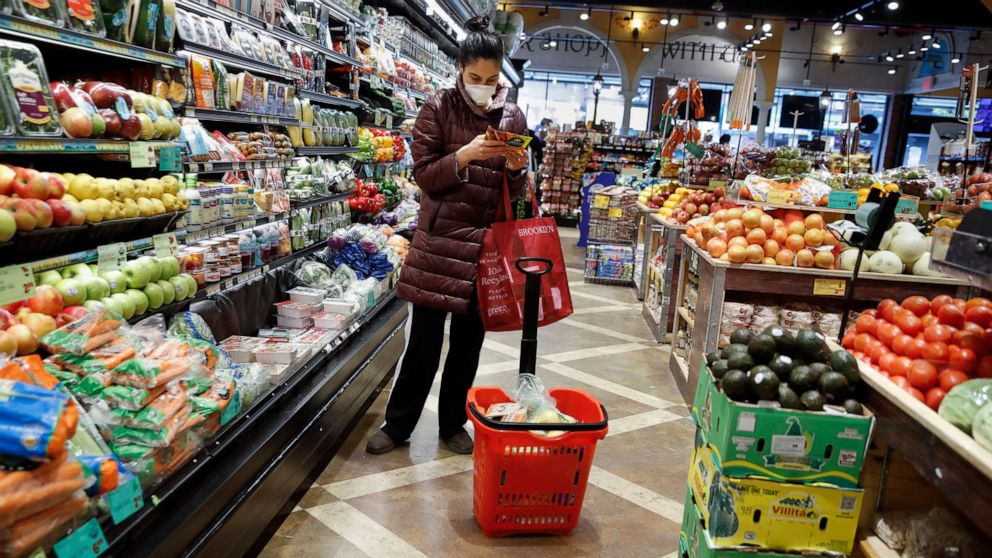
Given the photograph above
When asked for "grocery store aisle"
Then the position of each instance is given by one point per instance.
(417, 501)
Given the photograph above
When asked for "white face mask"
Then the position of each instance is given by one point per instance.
(481, 94)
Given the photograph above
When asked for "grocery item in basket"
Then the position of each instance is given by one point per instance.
(38, 421)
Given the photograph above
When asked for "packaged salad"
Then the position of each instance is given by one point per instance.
(24, 85)
(85, 16)
(42, 11)
(115, 18)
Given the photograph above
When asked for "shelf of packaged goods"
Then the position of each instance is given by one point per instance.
(41, 145)
(622, 149)
(209, 290)
(320, 200)
(243, 62)
(214, 115)
(228, 228)
(340, 13)
(418, 17)
(14, 25)
(322, 150)
(227, 166)
(686, 317)
(330, 100)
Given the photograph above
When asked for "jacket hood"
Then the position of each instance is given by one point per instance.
(498, 101)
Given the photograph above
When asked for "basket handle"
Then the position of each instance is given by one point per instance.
(568, 427)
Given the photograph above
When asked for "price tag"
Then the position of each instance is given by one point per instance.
(840, 199)
(142, 154)
(987, 204)
(16, 283)
(600, 201)
(389, 121)
(232, 409)
(379, 118)
(781, 197)
(165, 244)
(86, 542)
(829, 287)
(615, 212)
(125, 500)
(169, 159)
(111, 257)
(907, 205)
(213, 289)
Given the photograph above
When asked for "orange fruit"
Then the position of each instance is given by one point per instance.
(751, 218)
(736, 254)
(716, 247)
(796, 227)
(785, 257)
(754, 253)
(804, 258)
(814, 221)
(829, 239)
(793, 215)
(720, 216)
(824, 259)
(778, 223)
(700, 241)
(735, 213)
(725, 257)
(813, 237)
(735, 227)
(779, 235)
(769, 261)
(738, 241)
(766, 223)
(756, 236)
(771, 248)
(795, 242)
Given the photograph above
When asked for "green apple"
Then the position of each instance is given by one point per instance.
(49, 277)
(137, 273)
(93, 305)
(94, 269)
(96, 287)
(72, 290)
(125, 303)
(180, 286)
(154, 267)
(155, 295)
(76, 270)
(168, 291)
(140, 300)
(170, 267)
(190, 283)
(116, 280)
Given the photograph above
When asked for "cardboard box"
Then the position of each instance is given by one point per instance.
(780, 444)
(772, 515)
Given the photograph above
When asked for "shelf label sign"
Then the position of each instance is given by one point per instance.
(16, 283)
(840, 199)
(907, 205)
(987, 204)
(125, 500)
(781, 197)
(165, 244)
(110, 257)
(829, 287)
(389, 121)
(86, 542)
(169, 159)
(615, 212)
(599, 201)
(142, 155)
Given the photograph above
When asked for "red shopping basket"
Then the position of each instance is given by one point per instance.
(525, 482)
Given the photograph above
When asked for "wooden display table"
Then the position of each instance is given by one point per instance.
(664, 248)
(707, 283)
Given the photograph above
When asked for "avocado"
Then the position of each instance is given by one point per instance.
(853, 407)
(719, 368)
(735, 385)
(834, 386)
(788, 398)
(713, 357)
(741, 336)
(740, 361)
(764, 383)
(758, 368)
(813, 400)
(733, 348)
(761, 347)
(843, 362)
(819, 368)
(785, 342)
(803, 379)
(812, 345)
(782, 365)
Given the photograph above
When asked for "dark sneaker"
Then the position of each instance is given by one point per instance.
(460, 443)
(380, 443)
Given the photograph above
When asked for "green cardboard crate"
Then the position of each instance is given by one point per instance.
(780, 444)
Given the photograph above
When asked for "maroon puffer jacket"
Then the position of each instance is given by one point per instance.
(456, 207)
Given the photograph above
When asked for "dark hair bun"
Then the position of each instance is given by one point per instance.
(478, 24)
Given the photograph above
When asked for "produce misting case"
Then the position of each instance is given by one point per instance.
(781, 444)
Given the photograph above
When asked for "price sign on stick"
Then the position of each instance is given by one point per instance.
(111, 257)
(16, 283)
(165, 244)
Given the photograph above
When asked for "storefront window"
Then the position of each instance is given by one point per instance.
(568, 98)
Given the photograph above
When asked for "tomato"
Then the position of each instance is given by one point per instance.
(916, 304)
(901, 366)
(858, 355)
(915, 349)
(887, 333)
(934, 397)
(950, 378)
(865, 323)
(937, 332)
(901, 343)
(977, 301)
(939, 301)
(877, 350)
(984, 367)
(922, 375)
(901, 381)
(928, 320)
(909, 323)
(967, 340)
(848, 341)
(972, 327)
(936, 352)
(951, 314)
(886, 308)
(871, 312)
(963, 360)
(981, 315)
(917, 394)
(886, 360)
(861, 341)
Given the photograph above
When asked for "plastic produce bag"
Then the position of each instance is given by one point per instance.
(190, 325)
(148, 373)
(158, 437)
(963, 402)
(92, 331)
(103, 473)
(30, 492)
(37, 421)
(252, 380)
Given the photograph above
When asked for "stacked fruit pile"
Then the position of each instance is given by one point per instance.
(784, 237)
(926, 347)
(687, 204)
(655, 195)
(95, 109)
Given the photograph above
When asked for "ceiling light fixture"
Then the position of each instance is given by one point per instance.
(858, 16)
(645, 48)
(553, 43)
(664, 20)
(892, 6)
(936, 44)
(912, 50)
(674, 20)
(769, 34)
(955, 59)
(924, 48)
(841, 30)
(892, 70)
(836, 25)
(889, 58)
(722, 24)
(750, 25)
(586, 15)
(928, 36)
(766, 26)
(825, 98)
(900, 54)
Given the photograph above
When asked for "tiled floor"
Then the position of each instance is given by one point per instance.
(417, 501)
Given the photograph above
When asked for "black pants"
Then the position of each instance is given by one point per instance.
(420, 363)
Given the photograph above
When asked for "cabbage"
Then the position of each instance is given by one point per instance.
(962, 403)
(909, 246)
(981, 427)
(884, 261)
(313, 273)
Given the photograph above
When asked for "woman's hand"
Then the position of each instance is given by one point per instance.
(516, 159)
(479, 149)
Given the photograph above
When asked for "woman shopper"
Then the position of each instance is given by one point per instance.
(461, 175)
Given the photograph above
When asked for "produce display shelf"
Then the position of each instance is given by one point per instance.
(341, 14)
(418, 16)
(14, 25)
(89, 256)
(689, 320)
(243, 62)
(330, 100)
(621, 148)
(214, 115)
(210, 290)
(227, 166)
(325, 150)
(228, 228)
(321, 200)
(42, 145)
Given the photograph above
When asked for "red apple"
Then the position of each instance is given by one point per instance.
(7, 174)
(8, 345)
(40, 324)
(24, 214)
(112, 120)
(76, 122)
(29, 183)
(56, 185)
(15, 306)
(106, 94)
(7, 319)
(63, 95)
(73, 313)
(46, 300)
(77, 215)
(709, 198)
(131, 127)
(42, 212)
(27, 341)
(61, 214)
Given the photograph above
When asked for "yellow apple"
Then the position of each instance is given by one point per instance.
(82, 187)
(92, 210)
(145, 207)
(141, 187)
(131, 209)
(158, 205)
(69, 198)
(170, 201)
(183, 202)
(169, 184)
(155, 188)
(104, 188)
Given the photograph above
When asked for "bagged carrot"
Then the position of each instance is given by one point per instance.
(102, 471)
(158, 437)
(30, 370)
(156, 413)
(142, 461)
(148, 372)
(27, 534)
(37, 422)
(130, 398)
(92, 331)
(83, 365)
(90, 388)
(40, 491)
